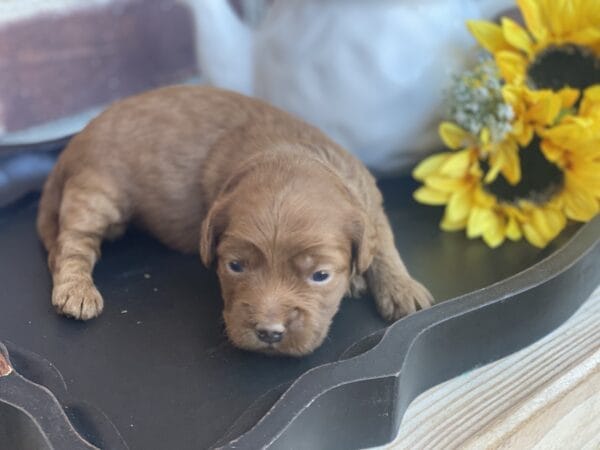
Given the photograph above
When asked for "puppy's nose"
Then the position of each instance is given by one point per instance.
(270, 335)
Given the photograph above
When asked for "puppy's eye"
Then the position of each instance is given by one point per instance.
(321, 276)
(235, 266)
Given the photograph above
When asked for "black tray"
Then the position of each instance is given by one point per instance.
(158, 365)
(33, 418)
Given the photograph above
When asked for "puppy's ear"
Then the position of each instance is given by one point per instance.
(217, 218)
(212, 227)
(362, 234)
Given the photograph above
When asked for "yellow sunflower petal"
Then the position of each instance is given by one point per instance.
(589, 36)
(459, 206)
(511, 94)
(556, 220)
(457, 164)
(488, 34)
(511, 65)
(533, 236)
(453, 136)
(496, 161)
(568, 96)
(533, 18)
(429, 165)
(567, 134)
(448, 225)
(525, 135)
(518, 212)
(479, 220)
(475, 171)
(547, 222)
(430, 196)
(579, 204)
(516, 36)
(546, 109)
(444, 184)
(512, 165)
(572, 15)
(593, 93)
(505, 160)
(588, 173)
(552, 152)
(590, 105)
(494, 235)
(556, 15)
(513, 230)
(484, 199)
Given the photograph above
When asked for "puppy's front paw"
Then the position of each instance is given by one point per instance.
(401, 297)
(78, 299)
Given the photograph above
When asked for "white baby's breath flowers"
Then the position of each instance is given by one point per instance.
(475, 102)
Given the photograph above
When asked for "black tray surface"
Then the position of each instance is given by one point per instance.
(157, 362)
(38, 413)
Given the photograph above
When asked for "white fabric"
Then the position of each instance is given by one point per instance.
(371, 74)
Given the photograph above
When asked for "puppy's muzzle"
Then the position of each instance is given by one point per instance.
(270, 334)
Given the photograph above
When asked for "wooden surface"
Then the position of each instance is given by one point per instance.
(546, 396)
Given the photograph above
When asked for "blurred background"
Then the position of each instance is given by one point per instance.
(63, 60)
(371, 74)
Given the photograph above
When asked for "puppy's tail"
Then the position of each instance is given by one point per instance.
(48, 210)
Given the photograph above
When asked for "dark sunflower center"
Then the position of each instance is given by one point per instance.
(567, 65)
(540, 179)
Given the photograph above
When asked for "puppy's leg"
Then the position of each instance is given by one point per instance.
(47, 219)
(88, 211)
(396, 292)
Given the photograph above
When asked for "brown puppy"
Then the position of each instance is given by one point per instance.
(292, 220)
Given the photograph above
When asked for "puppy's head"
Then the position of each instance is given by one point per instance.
(285, 245)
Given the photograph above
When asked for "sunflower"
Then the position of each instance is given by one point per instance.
(560, 180)
(497, 118)
(559, 48)
(524, 129)
(456, 181)
(574, 146)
